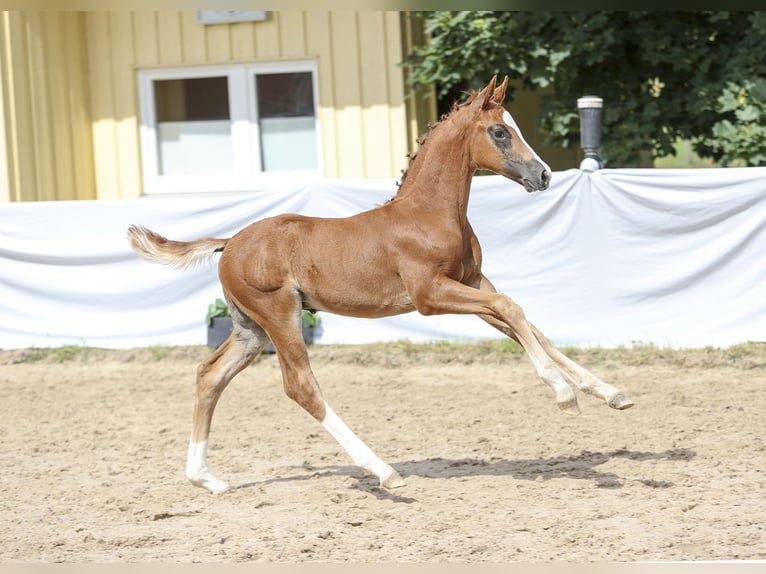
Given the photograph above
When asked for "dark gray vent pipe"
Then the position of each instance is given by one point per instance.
(590, 108)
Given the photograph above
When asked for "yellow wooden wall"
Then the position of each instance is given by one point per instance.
(69, 98)
(69, 125)
(361, 88)
(46, 151)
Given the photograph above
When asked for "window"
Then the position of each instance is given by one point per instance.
(228, 128)
(193, 127)
(286, 121)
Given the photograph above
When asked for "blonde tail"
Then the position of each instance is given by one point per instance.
(154, 247)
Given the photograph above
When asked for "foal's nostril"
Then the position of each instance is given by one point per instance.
(545, 177)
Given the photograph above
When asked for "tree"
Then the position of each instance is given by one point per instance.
(699, 76)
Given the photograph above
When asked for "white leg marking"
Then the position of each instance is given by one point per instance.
(591, 384)
(565, 396)
(359, 452)
(197, 471)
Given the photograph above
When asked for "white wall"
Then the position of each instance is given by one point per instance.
(671, 257)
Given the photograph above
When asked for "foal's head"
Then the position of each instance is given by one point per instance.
(496, 142)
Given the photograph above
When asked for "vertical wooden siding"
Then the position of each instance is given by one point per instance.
(361, 90)
(47, 148)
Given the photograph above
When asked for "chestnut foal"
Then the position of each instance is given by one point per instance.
(415, 253)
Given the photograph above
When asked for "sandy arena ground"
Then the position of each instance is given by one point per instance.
(93, 446)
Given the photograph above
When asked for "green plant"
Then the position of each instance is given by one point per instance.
(663, 75)
(309, 318)
(740, 136)
(217, 309)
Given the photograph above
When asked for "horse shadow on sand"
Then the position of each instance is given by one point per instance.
(583, 466)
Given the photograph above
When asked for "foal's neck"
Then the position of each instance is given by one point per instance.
(439, 176)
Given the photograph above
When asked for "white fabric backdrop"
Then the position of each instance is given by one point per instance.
(671, 257)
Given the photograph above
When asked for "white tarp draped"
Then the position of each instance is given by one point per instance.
(671, 257)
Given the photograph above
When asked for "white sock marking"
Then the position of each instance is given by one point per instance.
(359, 452)
(196, 459)
(554, 379)
(197, 471)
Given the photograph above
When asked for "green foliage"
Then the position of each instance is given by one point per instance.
(159, 352)
(66, 353)
(309, 319)
(219, 309)
(216, 309)
(62, 354)
(664, 76)
(741, 140)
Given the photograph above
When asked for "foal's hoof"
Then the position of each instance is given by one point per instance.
(393, 481)
(620, 402)
(569, 406)
(209, 482)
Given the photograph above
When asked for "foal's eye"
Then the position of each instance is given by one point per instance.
(499, 133)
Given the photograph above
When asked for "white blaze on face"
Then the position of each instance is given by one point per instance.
(510, 122)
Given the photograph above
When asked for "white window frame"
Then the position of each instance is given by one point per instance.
(247, 174)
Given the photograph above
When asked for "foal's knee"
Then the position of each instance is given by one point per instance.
(510, 310)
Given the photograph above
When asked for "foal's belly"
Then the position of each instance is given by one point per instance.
(367, 298)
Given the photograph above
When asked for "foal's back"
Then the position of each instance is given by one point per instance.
(349, 266)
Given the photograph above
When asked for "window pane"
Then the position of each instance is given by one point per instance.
(286, 120)
(193, 126)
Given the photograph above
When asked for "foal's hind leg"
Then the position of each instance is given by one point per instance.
(213, 375)
(302, 387)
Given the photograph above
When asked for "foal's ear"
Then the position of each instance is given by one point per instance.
(484, 97)
(499, 94)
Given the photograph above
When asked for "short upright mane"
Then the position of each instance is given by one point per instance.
(431, 127)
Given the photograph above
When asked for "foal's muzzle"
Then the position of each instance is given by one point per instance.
(538, 178)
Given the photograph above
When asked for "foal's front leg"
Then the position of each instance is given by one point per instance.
(586, 381)
(583, 379)
(443, 295)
